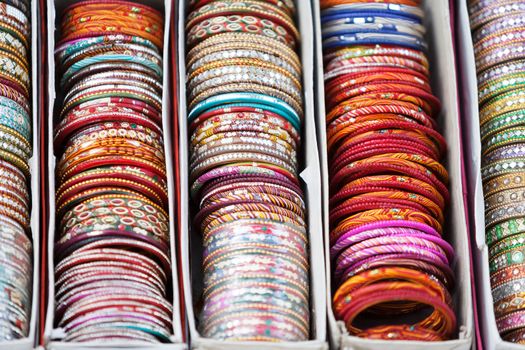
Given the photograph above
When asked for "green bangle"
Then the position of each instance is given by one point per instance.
(502, 122)
(509, 243)
(505, 229)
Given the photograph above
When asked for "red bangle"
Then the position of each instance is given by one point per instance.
(442, 320)
(412, 88)
(348, 106)
(425, 145)
(356, 205)
(426, 100)
(386, 72)
(403, 183)
(379, 166)
(334, 135)
(399, 110)
(396, 198)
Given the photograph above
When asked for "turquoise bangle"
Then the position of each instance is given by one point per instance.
(146, 330)
(250, 99)
(296, 124)
(16, 121)
(8, 103)
(70, 49)
(104, 58)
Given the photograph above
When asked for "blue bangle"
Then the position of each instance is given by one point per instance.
(358, 20)
(374, 39)
(252, 99)
(379, 8)
(354, 29)
(341, 15)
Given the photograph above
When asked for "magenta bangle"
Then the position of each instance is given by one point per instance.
(390, 232)
(512, 321)
(397, 239)
(387, 224)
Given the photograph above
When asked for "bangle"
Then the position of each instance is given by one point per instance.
(442, 320)
(510, 322)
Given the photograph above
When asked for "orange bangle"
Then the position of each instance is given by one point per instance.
(386, 273)
(105, 14)
(138, 8)
(442, 320)
(384, 214)
(387, 194)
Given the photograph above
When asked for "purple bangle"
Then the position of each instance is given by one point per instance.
(501, 153)
(508, 22)
(234, 170)
(350, 270)
(346, 262)
(444, 276)
(387, 224)
(390, 231)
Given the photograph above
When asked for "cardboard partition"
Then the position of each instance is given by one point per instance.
(191, 248)
(443, 80)
(469, 87)
(52, 335)
(30, 341)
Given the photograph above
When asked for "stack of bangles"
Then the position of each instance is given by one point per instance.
(388, 189)
(244, 88)
(112, 258)
(498, 32)
(16, 251)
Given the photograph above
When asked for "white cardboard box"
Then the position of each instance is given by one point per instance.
(441, 56)
(469, 87)
(30, 341)
(52, 335)
(311, 179)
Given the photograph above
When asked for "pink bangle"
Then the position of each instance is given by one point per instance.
(382, 238)
(384, 224)
(512, 321)
(390, 232)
